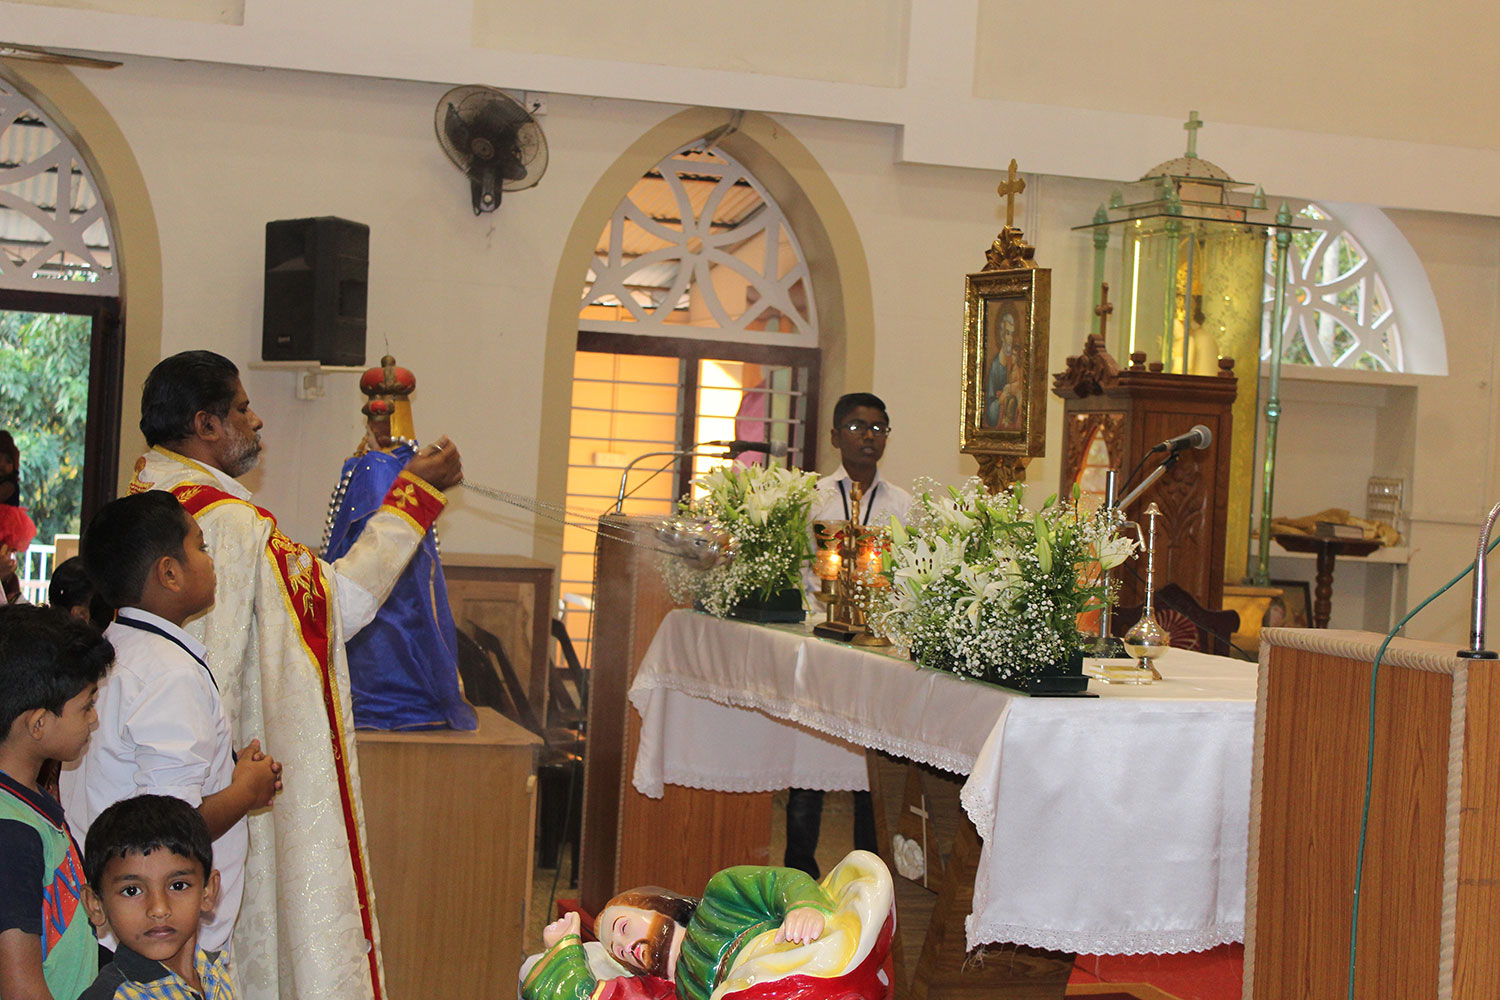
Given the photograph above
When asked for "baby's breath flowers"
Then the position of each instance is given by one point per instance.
(764, 509)
(984, 587)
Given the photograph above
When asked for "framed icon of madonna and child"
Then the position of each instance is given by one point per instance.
(1006, 316)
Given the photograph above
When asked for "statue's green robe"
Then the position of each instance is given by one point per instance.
(738, 904)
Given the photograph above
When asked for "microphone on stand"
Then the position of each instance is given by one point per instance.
(1198, 437)
(774, 448)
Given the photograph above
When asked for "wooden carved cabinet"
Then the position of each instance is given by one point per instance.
(1112, 417)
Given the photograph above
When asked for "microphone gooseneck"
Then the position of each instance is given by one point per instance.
(1476, 650)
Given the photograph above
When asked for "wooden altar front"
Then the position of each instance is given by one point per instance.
(1112, 417)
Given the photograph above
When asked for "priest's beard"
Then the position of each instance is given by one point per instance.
(657, 947)
(243, 454)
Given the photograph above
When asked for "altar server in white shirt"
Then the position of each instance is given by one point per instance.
(162, 726)
(860, 428)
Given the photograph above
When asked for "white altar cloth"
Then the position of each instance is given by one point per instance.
(1115, 825)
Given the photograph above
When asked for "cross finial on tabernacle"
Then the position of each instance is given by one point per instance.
(1193, 124)
(1008, 189)
(1104, 308)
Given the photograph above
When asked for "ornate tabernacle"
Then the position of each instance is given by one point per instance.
(1007, 310)
(1192, 257)
(1111, 419)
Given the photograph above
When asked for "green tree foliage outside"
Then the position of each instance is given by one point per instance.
(44, 391)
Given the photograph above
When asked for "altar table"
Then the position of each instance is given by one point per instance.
(1110, 825)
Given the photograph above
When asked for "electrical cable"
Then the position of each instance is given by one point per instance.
(1364, 818)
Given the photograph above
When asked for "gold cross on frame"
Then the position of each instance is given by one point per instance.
(1104, 308)
(1008, 189)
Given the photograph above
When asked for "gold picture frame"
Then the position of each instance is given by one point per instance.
(1007, 314)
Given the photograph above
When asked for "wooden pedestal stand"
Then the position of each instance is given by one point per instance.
(1327, 550)
(1430, 901)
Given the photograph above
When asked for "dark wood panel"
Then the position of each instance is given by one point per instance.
(1135, 409)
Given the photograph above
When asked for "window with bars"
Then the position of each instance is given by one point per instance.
(636, 396)
(697, 323)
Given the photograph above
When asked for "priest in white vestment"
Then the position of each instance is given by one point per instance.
(275, 639)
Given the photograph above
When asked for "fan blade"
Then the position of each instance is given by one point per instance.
(457, 132)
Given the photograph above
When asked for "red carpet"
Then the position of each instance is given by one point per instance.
(1203, 975)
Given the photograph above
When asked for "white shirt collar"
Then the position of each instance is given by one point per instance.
(224, 481)
(842, 475)
(193, 645)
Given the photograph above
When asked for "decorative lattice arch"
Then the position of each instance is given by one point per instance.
(1339, 313)
(54, 231)
(699, 249)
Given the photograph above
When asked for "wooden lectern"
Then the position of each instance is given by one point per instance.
(628, 839)
(1115, 416)
(1430, 902)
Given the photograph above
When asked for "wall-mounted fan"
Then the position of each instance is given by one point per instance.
(493, 139)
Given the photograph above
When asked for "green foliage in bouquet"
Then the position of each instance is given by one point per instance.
(764, 510)
(984, 587)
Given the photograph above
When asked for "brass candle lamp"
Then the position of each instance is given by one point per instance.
(1146, 640)
(835, 556)
(836, 565)
(869, 574)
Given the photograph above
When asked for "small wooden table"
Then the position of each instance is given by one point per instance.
(1326, 549)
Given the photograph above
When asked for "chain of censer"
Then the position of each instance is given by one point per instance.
(550, 511)
(556, 512)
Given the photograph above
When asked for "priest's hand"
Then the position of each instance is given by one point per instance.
(803, 925)
(559, 929)
(438, 464)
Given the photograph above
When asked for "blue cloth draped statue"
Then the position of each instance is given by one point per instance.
(403, 666)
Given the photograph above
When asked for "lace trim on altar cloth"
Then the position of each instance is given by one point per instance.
(979, 803)
(860, 736)
(980, 933)
(722, 781)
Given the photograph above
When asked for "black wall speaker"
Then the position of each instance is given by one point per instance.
(317, 277)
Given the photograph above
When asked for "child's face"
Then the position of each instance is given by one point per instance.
(153, 902)
(65, 736)
(6, 465)
(198, 580)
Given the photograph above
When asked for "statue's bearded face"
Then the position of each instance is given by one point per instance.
(638, 939)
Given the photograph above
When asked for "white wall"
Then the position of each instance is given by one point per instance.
(464, 300)
(1387, 107)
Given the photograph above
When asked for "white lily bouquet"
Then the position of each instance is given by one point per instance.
(764, 511)
(984, 587)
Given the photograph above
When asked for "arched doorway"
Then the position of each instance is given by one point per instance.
(61, 340)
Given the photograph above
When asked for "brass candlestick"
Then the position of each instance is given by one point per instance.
(829, 565)
(871, 545)
(846, 619)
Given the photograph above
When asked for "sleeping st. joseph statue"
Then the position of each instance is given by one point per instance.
(757, 934)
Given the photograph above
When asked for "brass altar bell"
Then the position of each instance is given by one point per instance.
(1146, 639)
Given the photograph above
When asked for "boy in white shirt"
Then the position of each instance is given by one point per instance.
(162, 726)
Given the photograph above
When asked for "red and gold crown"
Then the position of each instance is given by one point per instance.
(388, 388)
(388, 380)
